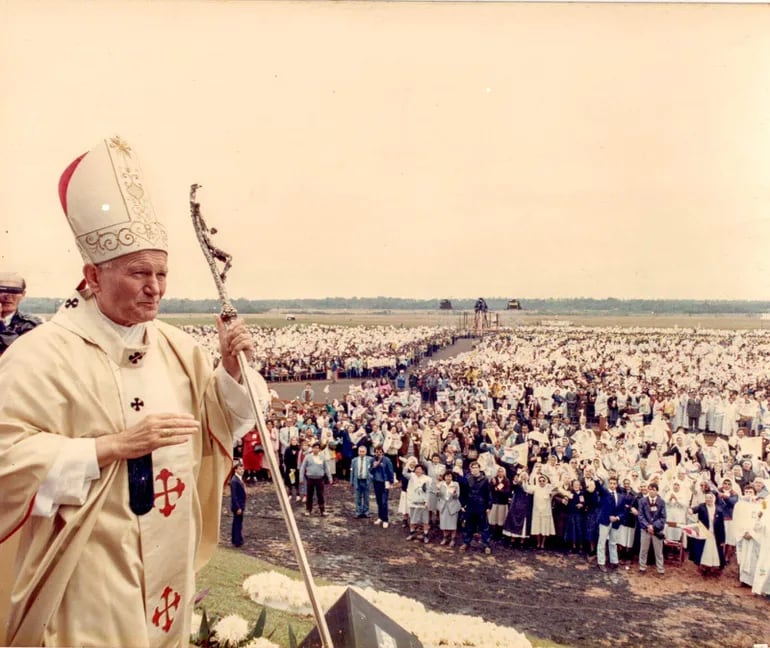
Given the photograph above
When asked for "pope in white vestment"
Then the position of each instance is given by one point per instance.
(73, 398)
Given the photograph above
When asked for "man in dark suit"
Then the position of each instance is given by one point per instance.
(382, 479)
(652, 522)
(237, 504)
(476, 500)
(13, 322)
(611, 509)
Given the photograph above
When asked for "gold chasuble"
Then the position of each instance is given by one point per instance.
(95, 573)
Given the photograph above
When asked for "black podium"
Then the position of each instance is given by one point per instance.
(355, 623)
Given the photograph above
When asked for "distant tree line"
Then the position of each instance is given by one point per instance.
(545, 306)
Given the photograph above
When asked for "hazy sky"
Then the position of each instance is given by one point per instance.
(402, 149)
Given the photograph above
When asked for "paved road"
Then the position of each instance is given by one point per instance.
(291, 390)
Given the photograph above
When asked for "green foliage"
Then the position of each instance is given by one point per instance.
(204, 633)
(259, 626)
(292, 638)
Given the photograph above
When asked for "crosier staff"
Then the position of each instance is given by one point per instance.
(228, 313)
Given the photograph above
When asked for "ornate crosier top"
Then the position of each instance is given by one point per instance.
(212, 254)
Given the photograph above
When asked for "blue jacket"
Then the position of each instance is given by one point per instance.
(608, 505)
(237, 494)
(726, 505)
(382, 471)
(477, 496)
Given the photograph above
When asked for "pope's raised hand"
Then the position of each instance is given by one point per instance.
(234, 337)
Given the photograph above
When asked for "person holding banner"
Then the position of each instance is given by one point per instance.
(449, 508)
(727, 497)
(500, 487)
(747, 474)
(476, 501)
(116, 433)
(417, 502)
(383, 476)
(517, 522)
(707, 548)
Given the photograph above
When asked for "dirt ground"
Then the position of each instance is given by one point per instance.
(550, 594)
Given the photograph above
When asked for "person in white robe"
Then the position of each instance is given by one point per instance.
(677, 505)
(116, 434)
(542, 515)
(745, 519)
(761, 584)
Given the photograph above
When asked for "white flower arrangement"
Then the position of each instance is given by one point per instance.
(432, 628)
(261, 642)
(231, 630)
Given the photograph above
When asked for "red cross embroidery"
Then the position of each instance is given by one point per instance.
(163, 477)
(166, 611)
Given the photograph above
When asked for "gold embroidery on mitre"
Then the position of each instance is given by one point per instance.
(142, 230)
(120, 144)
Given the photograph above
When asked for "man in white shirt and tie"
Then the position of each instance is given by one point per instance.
(612, 508)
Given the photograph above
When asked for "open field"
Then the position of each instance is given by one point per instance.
(455, 319)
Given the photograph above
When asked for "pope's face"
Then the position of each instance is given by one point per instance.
(129, 289)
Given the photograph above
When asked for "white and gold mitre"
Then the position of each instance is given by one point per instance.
(106, 202)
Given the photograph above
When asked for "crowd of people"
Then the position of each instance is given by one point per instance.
(318, 351)
(601, 442)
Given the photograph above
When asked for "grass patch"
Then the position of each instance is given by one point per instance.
(224, 576)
